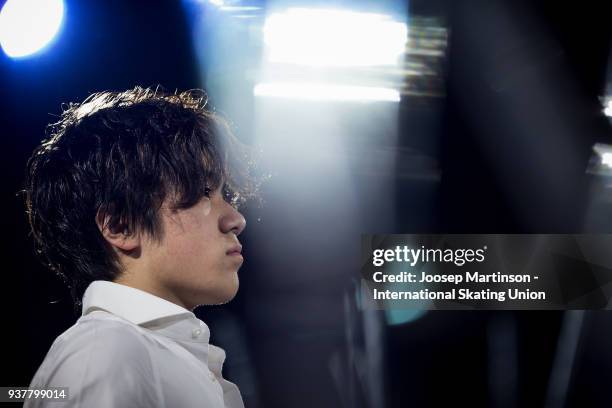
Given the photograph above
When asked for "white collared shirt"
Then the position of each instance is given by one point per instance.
(133, 349)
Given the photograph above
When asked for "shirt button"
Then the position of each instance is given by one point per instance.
(196, 333)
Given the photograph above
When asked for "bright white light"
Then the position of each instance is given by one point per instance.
(606, 159)
(608, 108)
(240, 8)
(26, 26)
(604, 152)
(217, 3)
(327, 37)
(325, 92)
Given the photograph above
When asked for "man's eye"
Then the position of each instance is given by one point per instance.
(228, 194)
(207, 191)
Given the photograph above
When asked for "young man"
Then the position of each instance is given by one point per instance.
(132, 201)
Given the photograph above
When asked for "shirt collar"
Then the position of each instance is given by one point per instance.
(134, 305)
(154, 313)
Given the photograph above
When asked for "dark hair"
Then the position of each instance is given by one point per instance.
(122, 154)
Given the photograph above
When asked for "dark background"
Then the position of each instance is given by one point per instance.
(521, 111)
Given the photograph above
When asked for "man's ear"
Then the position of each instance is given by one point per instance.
(119, 237)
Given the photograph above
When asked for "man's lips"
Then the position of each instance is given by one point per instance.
(235, 250)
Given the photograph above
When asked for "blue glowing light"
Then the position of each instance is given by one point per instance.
(27, 26)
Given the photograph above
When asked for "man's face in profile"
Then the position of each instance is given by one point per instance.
(198, 257)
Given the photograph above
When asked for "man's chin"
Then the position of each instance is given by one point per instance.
(226, 295)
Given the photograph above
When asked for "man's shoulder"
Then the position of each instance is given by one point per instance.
(100, 358)
(100, 343)
(101, 330)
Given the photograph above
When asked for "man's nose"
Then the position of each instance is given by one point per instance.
(233, 221)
